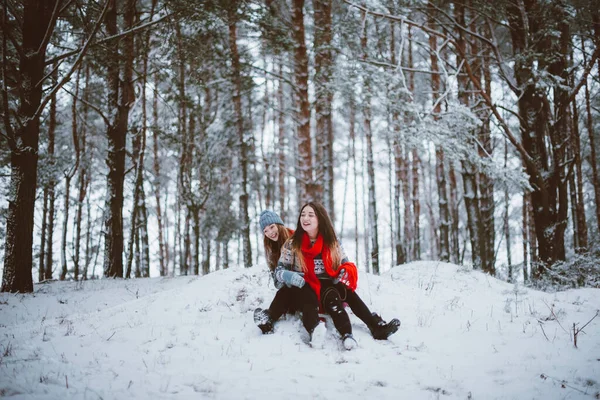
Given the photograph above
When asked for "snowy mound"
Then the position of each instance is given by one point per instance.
(463, 335)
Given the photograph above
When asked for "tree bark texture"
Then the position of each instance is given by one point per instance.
(120, 99)
(239, 123)
(545, 166)
(18, 250)
(324, 97)
(372, 203)
(307, 186)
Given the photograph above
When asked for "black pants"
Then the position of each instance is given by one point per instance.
(358, 307)
(292, 299)
(333, 305)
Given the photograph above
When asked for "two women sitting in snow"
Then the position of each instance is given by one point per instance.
(312, 273)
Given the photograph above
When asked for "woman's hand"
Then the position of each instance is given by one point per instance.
(291, 278)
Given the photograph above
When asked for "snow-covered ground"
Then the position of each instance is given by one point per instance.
(464, 335)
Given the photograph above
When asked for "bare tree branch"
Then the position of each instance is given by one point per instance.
(388, 65)
(92, 106)
(49, 28)
(75, 65)
(399, 19)
(584, 77)
(110, 38)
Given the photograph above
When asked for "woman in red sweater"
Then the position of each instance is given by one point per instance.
(313, 255)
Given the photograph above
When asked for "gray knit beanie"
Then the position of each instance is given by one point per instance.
(267, 218)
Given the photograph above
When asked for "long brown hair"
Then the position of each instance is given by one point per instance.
(273, 249)
(325, 229)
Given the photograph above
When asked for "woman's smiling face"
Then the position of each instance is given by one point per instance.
(309, 221)
(272, 232)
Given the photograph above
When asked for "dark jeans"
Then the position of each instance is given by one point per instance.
(290, 300)
(333, 297)
(358, 307)
(333, 305)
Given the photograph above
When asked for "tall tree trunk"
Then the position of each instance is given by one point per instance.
(454, 226)
(507, 221)
(196, 255)
(43, 237)
(186, 241)
(206, 257)
(486, 184)
(469, 173)
(185, 156)
(305, 166)
(324, 96)
(408, 214)
(63, 241)
(525, 235)
(120, 98)
(573, 203)
(352, 134)
(50, 188)
(281, 146)
(36, 20)
(416, 204)
(50, 236)
(143, 227)
(546, 169)
(592, 138)
(428, 182)
(443, 205)
(415, 165)
(68, 177)
(239, 123)
(163, 257)
(440, 169)
(582, 232)
(82, 178)
(365, 206)
(401, 184)
(88, 233)
(370, 167)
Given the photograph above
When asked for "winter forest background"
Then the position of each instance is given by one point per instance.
(143, 137)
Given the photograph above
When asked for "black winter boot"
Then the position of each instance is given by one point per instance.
(262, 318)
(381, 330)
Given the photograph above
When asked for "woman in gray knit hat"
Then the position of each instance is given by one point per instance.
(289, 298)
(294, 295)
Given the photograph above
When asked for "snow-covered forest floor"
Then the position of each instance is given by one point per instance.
(464, 335)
